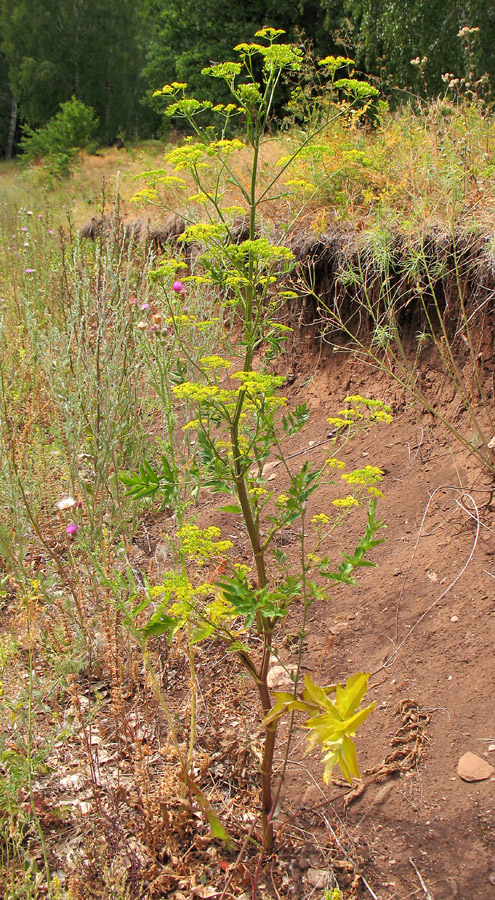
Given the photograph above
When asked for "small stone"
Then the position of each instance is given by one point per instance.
(162, 552)
(303, 863)
(383, 793)
(491, 878)
(452, 885)
(317, 878)
(312, 795)
(454, 618)
(491, 746)
(268, 467)
(473, 768)
(279, 678)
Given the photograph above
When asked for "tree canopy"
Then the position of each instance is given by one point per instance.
(410, 44)
(112, 54)
(56, 49)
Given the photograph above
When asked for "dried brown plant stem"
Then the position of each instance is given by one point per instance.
(11, 449)
(29, 748)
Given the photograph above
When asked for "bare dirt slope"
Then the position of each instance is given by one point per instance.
(424, 624)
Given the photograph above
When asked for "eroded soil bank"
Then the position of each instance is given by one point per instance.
(423, 623)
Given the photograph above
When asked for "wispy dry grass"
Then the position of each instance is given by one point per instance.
(421, 169)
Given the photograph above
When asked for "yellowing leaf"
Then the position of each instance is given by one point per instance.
(349, 697)
(217, 829)
(315, 694)
(349, 755)
(334, 728)
(283, 702)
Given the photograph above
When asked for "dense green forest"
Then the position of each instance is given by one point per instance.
(111, 54)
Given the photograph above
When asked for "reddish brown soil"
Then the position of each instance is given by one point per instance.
(423, 623)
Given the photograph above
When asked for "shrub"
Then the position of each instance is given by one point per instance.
(70, 130)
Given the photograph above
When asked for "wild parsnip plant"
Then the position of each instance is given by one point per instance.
(232, 407)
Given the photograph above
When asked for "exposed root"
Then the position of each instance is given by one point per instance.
(409, 743)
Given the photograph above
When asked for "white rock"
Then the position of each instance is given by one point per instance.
(279, 678)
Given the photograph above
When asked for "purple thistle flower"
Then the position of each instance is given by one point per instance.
(71, 528)
(177, 287)
(23, 228)
(30, 271)
(145, 306)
